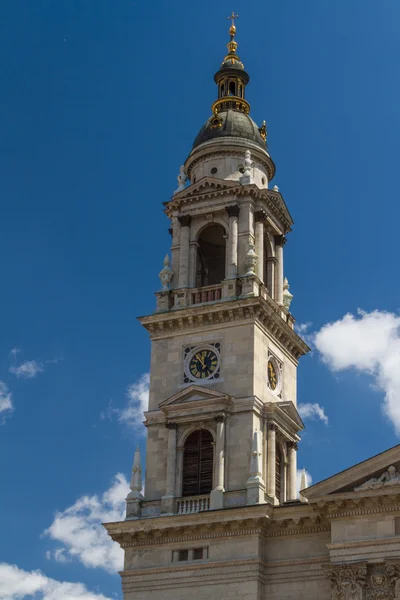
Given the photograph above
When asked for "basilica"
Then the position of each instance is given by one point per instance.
(221, 517)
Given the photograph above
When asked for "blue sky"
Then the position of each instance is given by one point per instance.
(99, 106)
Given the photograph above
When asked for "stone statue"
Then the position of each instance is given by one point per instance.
(251, 260)
(166, 274)
(389, 477)
(182, 178)
(287, 296)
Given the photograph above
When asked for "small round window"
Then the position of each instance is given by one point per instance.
(241, 169)
(263, 180)
(214, 170)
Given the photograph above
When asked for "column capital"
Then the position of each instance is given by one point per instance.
(220, 418)
(293, 445)
(272, 427)
(233, 210)
(185, 220)
(171, 425)
(260, 216)
(280, 240)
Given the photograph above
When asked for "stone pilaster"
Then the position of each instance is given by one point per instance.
(271, 460)
(184, 251)
(255, 484)
(260, 217)
(291, 493)
(167, 501)
(280, 241)
(217, 494)
(233, 213)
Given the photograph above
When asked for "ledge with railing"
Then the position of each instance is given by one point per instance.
(192, 504)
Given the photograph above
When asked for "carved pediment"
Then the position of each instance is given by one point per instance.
(194, 393)
(379, 474)
(205, 185)
(291, 411)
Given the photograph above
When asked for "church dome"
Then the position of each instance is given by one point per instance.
(230, 123)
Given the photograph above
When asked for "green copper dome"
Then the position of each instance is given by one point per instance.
(232, 123)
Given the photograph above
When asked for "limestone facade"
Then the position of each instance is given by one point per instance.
(221, 517)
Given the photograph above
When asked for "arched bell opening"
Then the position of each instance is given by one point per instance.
(211, 256)
(269, 265)
(198, 463)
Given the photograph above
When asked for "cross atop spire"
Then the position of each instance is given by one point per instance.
(232, 29)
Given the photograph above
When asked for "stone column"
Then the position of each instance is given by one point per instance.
(270, 283)
(271, 460)
(260, 218)
(192, 263)
(233, 213)
(217, 494)
(184, 252)
(280, 241)
(167, 501)
(291, 493)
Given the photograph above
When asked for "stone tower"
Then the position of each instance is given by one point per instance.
(222, 422)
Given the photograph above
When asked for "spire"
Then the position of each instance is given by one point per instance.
(303, 485)
(136, 479)
(231, 79)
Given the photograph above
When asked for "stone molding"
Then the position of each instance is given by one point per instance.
(280, 240)
(207, 189)
(265, 311)
(349, 507)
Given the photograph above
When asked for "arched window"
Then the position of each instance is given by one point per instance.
(211, 250)
(197, 464)
(232, 88)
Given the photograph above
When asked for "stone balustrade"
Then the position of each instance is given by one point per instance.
(192, 504)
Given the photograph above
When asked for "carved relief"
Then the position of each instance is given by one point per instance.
(364, 582)
(347, 581)
(389, 477)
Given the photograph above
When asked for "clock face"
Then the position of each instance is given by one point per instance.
(203, 364)
(272, 376)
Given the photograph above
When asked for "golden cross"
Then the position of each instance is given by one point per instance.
(233, 17)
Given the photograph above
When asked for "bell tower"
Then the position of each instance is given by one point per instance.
(222, 424)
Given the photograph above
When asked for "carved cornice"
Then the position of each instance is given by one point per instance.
(207, 189)
(264, 311)
(353, 506)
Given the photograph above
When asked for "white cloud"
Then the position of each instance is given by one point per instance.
(58, 555)
(314, 412)
(369, 343)
(27, 369)
(16, 584)
(308, 476)
(302, 327)
(138, 401)
(79, 528)
(6, 405)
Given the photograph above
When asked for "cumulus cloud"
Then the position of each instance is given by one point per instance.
(27, 369)
(368, 343)
(16, 584)
(6, 404)
(79, 528)
(138, 402)
(313, 412)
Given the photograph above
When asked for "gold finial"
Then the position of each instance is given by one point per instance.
(232, 29)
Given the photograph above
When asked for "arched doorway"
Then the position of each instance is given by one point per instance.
(211, 252)
(197, 466)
